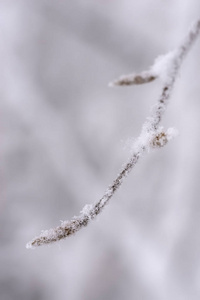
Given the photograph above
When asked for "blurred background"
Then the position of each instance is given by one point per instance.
(64, 136)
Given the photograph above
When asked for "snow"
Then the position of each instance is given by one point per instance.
(165, 66)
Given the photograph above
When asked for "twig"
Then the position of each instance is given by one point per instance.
(152, 136)
(144, 77)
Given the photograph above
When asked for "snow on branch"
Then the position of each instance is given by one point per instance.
(165, 66)
(144, 77)
(152, 136)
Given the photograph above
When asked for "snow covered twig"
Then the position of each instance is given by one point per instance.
(152, 135)
(144, 77)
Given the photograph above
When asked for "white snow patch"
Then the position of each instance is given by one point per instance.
(165, 66)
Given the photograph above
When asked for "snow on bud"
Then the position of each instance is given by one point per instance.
(161, 138)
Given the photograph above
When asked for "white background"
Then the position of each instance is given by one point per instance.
(65, 135)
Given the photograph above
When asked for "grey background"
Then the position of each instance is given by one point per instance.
(65, 135)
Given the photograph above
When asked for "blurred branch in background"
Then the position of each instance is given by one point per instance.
(152, 135)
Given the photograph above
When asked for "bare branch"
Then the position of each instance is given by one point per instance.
(152, 136)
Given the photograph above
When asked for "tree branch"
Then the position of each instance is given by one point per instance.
(152, 136)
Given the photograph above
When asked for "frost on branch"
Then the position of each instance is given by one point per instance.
(152, 136)
(165, 66)
(144, 77)
(161, 138)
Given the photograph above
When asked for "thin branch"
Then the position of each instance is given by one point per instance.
(152, 136)
(144, 77)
